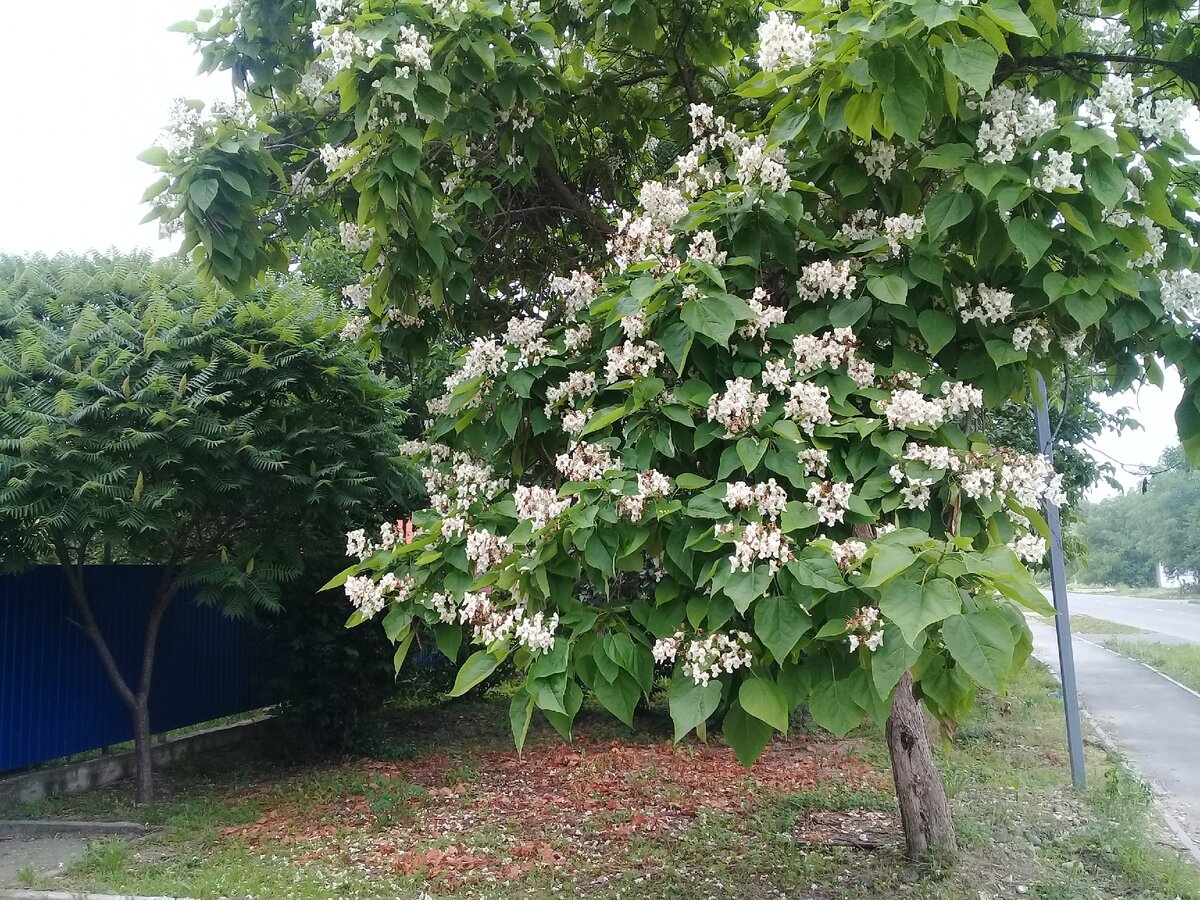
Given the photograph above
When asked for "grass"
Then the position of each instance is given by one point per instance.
(1180, 661)
(622, 815)
(1151, 593)
(1081, 624)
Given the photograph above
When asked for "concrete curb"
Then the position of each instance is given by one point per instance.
(26, 829)
(21, 894)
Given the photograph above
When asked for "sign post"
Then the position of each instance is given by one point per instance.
(1058, 583)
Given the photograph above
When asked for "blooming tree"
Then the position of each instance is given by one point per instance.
(742, 283)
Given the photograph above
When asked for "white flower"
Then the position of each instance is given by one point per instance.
(984, 303)
(537, 632)
(784, 43)
(486, 549)
(584, 462)
(540, 505)
(902, 228)
(912, 409)
(825, 279)
(577, 291)
(704, 248)
(1029, 549)
(1181, 293)
(630, 359)
(768, 497)
(664, 205)
(879, 160)
(739, 408)
(830, 498)
(355, 238)
(848, 554)
(808, 405)
(1057, 173)
(764, 316)
(816, 462)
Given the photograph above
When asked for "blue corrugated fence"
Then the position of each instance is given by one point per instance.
(55, 699)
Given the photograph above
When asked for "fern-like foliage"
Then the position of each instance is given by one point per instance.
(145, 409)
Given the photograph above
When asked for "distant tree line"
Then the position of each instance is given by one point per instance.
(1123, 539)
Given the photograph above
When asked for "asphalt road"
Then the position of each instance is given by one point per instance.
(1176, 618)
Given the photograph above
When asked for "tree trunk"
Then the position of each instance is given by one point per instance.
(143, 744)
(924, 809)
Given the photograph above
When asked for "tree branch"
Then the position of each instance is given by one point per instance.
(564, 193)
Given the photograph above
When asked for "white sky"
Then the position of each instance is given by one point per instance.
(72, 182)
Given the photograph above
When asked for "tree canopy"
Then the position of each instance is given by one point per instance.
(747, 281)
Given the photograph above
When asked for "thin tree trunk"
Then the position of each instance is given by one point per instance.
(137, 703)
(924, 809)
(142, 747)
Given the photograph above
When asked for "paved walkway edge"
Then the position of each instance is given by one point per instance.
(1169, 819)
(20, 894)
(24, 829)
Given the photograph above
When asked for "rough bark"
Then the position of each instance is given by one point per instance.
(924, 809)
(142, 746)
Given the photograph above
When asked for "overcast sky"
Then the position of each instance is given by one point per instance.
(89, 91)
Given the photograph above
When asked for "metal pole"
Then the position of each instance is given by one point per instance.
(1058, 583)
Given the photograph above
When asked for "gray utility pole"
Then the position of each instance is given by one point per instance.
(1058, 582)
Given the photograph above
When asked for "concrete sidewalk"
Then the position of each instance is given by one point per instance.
(1154, 720)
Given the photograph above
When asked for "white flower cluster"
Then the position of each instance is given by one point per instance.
(455, 480)
(915, 492)
(830, 498)
(755, 163)
(484, 358)
(825, 279)
(816, 462)
(584, 462)
(651, 483)
(784, 43)
(630, 360)
(808, 405)
(355, 328)
(355, 238)
(1057, 173)
(847, 554)
(526, 336)
(769, 498)
(370, 597)
(664, 205)
(638, 238)
(574, 386)
(1016, 117)
(934, 456)
(343, 45)
(1181, 293)
(1029, 548)
(910, 408)
(412, 49)
(540, 505)
(987, 304)
(739, 408)
(759, 542)
(491, 624)
(334, 158)
(576, 337)
(865, 629)
(705, 658)
(1033, 335)
(765, 316)
(576, 291)
(1159, 118)
(1030, 478)
(878, 159)
(486, 549)
(902, 229)
(704, 248)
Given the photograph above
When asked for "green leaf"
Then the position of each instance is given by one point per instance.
(237, 182)
(747, 735)
(479, 665)
(832, 706)
(1105, 180)
(154, 156)
(1008, 15)
(948, 207)
(402, 652)
(761, 698)
(689, 481)
(904, 108)
(520, 714)
(155, 189)
(862, 114)
(603, 418)
(893, 658)
(743, 588)
(983, 644)
(937, 328)
(750, 452)
(1085, 310)
(715, 316)
(676, 341)
(1003, 353)
(691, 704)
(449, 639)
(889, 289)
(203, 191)
(888, 561)
(780, 622)
(973, 63)
(914, 608)
(1031, 237)
(619, 697)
